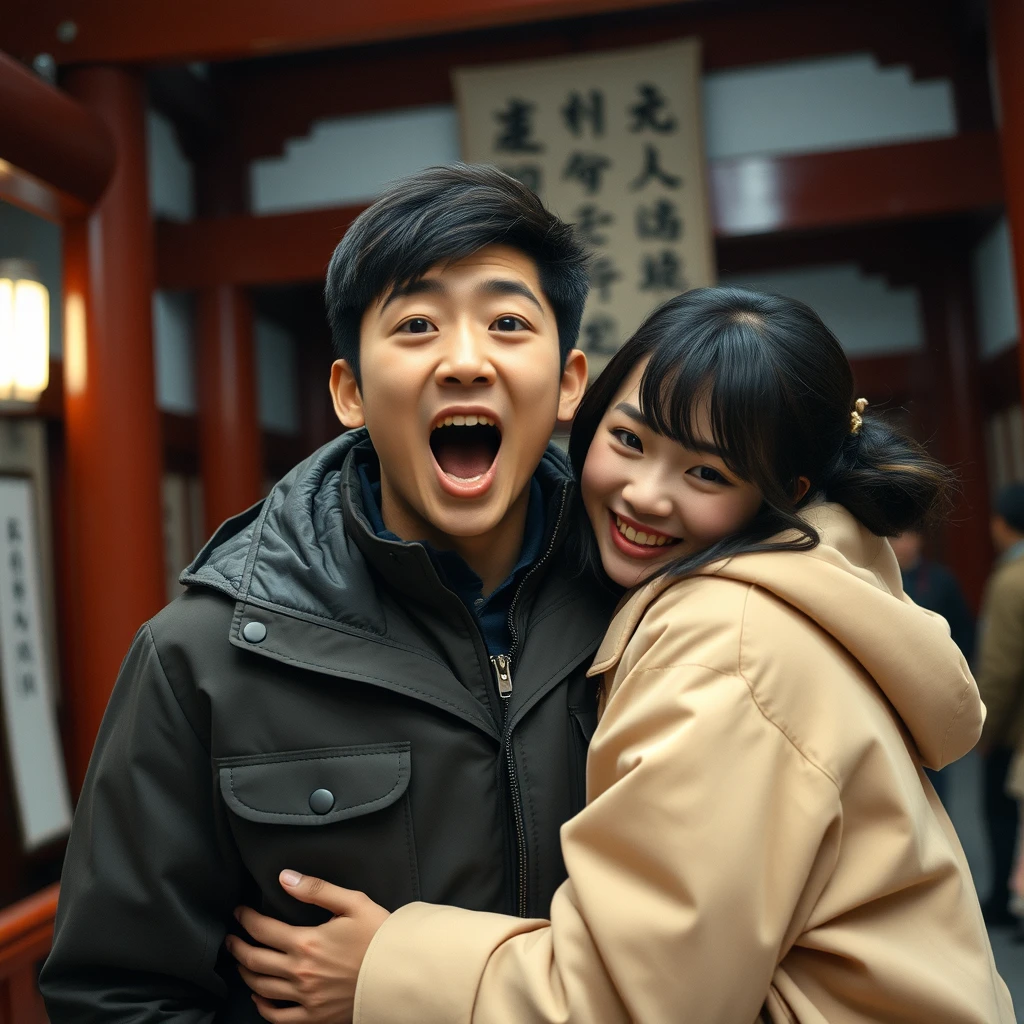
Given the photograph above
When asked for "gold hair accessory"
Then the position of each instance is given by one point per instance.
(857, 416)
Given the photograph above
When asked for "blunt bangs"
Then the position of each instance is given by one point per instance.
(723, 369)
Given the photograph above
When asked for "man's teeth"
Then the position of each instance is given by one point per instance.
(654, 540)
(467, 421)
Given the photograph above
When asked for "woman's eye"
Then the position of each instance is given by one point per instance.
(628, 439)
(510, 323)
(712, 476)
(417, 325)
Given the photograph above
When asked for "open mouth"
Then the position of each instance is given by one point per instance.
(465, 446)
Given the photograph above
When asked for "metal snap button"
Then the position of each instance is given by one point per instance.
(254, 632)
(321, 801)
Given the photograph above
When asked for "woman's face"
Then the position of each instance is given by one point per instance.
(649, 499)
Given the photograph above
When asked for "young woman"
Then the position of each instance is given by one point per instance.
(759, 841)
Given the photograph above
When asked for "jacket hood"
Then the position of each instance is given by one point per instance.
(850, 585)
(292, 551)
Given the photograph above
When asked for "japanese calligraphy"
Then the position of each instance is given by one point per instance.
(590, 222)
(586, 168)
(653, 171)
(603, 274)
(610, 141)
(580, 110)
(647, 112)
(600, 335)
(660, 220)
(662, 272)
(517, 128)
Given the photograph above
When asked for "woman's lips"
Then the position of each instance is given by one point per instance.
(632, 548)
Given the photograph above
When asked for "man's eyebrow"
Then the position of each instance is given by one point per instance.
(501, 286)
(421, 286)
(695, 445)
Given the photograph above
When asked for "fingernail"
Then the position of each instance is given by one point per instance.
(291, 878)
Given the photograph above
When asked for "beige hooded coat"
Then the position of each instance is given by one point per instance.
(759, 842)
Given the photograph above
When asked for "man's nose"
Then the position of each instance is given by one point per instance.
(466, 359)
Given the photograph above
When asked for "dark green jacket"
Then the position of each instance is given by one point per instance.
(308, 654)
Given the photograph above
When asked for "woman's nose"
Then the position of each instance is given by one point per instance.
(647, 497)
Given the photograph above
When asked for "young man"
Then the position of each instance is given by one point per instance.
(377, 674)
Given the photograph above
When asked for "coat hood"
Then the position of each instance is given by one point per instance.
(850, 586)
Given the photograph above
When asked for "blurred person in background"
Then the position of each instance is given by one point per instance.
(931, 585)
(1001, 680)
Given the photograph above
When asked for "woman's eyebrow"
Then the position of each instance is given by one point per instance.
(632, 412)
(696, 445)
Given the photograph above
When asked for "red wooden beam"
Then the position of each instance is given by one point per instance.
(750, 195)
(754, 195)
(172, 31)
(270, 101)
(56, 156)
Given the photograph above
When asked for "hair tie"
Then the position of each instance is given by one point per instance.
(857, 416)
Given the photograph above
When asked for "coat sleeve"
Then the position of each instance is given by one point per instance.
(707, 840)
(146, 888)
(1001, 659)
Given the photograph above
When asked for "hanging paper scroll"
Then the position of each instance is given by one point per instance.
(26, 683)
(612, 142)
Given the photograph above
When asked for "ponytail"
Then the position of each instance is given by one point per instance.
(887, 480)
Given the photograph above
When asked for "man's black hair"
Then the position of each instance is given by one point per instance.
(442, 215)
(1010, 505)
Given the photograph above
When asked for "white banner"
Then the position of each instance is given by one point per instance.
(614, 143)
(33, 742)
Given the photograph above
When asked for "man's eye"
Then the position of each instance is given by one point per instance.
(510, 323)
(628, 439)
(417, 325)
(712, 476)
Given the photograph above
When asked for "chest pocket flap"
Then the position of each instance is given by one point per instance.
(315, 787)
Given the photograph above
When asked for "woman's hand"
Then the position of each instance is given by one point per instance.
(314, 967)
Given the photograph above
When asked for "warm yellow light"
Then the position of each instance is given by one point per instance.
(74, 344)
(24, 333)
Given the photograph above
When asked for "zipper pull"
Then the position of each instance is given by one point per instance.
(503, 672)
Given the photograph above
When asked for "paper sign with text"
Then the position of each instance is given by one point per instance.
(612, 142)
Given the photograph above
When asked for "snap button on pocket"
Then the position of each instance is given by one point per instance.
(321, 801)
(254, 632)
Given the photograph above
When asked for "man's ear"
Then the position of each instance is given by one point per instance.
(574, 384)
(348, 402)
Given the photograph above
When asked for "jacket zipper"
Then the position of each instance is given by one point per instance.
(502, 664)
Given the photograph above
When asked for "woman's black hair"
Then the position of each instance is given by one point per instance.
(779, 394)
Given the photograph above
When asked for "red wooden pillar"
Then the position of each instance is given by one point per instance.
(113, 429)
(230, 449)
(948, 301)
(1007, 31)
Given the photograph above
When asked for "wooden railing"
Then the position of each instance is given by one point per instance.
(26, 931)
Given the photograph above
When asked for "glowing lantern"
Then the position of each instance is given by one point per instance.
(24, 332)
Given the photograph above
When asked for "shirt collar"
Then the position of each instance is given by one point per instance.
(451, 566)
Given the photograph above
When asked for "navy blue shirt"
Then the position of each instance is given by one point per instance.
(490, 612)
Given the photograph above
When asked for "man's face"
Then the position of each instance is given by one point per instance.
(461, 388)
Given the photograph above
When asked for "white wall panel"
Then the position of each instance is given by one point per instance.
(277, 378)
(995, 292)
(799, 107)
(171, 184)
(866, 315)
(350, 159)
(174, 351)
(818, 105)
